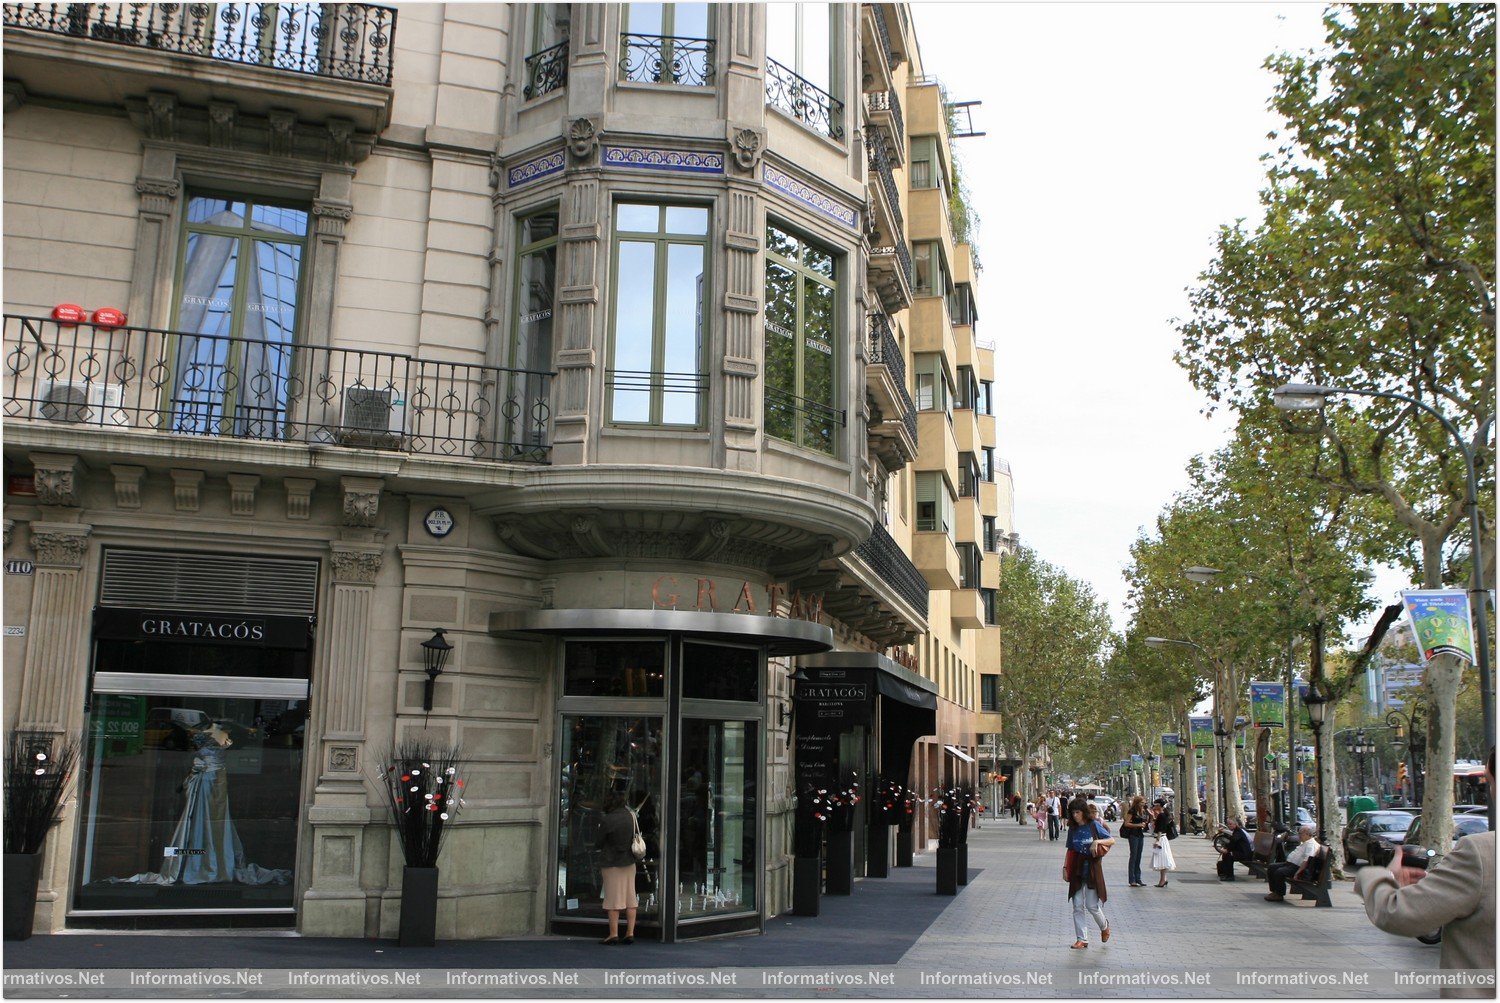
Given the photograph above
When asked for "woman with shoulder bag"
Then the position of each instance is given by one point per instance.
(1162, 860)
(620, 845)
(1083, 870)
(1134, 831)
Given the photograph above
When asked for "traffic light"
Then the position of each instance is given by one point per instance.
(1401, 774)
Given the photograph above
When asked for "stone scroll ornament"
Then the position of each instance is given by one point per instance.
(747, 149)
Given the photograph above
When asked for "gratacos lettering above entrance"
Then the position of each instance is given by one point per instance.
(666, 594)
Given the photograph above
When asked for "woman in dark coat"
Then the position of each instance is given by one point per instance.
(1134, 831)
(617, 867)
(1084, 873)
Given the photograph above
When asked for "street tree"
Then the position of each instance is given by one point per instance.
(1054, 637)
(1373, 270)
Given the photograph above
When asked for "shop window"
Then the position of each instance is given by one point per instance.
(614, 669)
(715, 672)
(716, 854)
(802, 347)
(237, 307)
(934, 503)
(602, 755)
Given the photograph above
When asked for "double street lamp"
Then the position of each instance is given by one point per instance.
(1405, 727)
(1359, 746)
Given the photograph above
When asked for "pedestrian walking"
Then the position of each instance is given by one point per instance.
(1039, 816)
(1054, 814)
(1015, 807)
(1083, 869)
(1137, 819)
(1162, 860)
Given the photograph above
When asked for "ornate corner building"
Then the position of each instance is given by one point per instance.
(630, 347)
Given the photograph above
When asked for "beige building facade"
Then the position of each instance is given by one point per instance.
(588, 339)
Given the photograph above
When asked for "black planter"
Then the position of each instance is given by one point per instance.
(947, 870)
(961, 871)
(22, 873)
(878, 851)
(840, 863)
(807, 885)
(903, 848)
(419, 887)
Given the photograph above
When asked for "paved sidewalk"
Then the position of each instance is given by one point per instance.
(1005, 934)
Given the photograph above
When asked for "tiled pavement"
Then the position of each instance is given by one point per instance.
(1006, 934)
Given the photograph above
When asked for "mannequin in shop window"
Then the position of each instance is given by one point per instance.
(205, 847)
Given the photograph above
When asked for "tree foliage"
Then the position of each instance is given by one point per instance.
(1054, 637)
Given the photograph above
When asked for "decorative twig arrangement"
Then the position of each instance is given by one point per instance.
(895, 803)
(38, 769)
(955, 807)
(424, 792)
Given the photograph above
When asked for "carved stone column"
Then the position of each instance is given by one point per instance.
(578, 300)
(53, 671)
(355, 566)
(741, 320)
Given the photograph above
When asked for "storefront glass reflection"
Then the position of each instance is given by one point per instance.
(600, 754)
(716, 821)
(189, 802)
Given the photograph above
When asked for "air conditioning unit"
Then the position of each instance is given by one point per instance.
(94, 403)
(375, 418)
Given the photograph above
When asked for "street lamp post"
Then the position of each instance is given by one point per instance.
(1310, 396)
(1317, 708)
(1405, 726)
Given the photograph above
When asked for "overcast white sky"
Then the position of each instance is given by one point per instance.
(1120, 135)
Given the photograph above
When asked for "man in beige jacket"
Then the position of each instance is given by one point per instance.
(1457, 895)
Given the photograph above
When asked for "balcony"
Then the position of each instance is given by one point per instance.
(318, 60)
(893, 428)
(546, 71)
(148, 382)
(892, 227)
(937, 559)
(966, 607)
(891, 274)
(877, 59)
(883, 109)
(804, 101)
(662, 59)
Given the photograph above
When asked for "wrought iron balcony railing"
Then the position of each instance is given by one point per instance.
(903, 258)
(347, 41)
(880, 163)
(174, 382)
(667, 59)
(804, 100)
(888, 102)
(883, 32)
(885, 558)
(884, 351)
(546, 71)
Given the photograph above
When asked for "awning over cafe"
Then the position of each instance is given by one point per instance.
(958, 753)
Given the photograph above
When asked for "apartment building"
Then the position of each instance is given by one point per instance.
(575, 342)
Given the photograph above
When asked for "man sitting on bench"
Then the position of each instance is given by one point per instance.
(1239, 849)
(1296, 863)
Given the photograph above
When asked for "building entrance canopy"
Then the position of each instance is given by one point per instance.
(778, 635)
(908, 708)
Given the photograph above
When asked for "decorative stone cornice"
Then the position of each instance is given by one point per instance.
(161, 116)
(186, 485)
(158, 195)
(281, 132)
(299, 491)
(127, 484)
(221, 116)
(356, 564)
(242, 493)
(55, 476)
(60, 545)
(361, 500)
(332, 217)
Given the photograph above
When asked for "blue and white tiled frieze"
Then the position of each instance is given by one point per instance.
(809, 196)
(648, 158)
(536, 168)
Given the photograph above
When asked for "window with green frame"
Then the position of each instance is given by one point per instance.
(531, 338)
(934, 503)
(659, 277)
(237, 311)
(930, 269)
(801, 342)
(925, 165)
(667, 43)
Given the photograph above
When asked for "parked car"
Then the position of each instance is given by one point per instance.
(1386, 829)
(1463, 825)
(1471, 809)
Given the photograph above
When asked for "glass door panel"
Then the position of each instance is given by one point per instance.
(716, 859)
(189, 802)
(600, 754)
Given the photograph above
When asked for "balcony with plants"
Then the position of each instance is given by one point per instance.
(317, 60)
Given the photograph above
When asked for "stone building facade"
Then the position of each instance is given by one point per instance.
(576, 336)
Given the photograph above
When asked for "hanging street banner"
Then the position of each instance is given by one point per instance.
(1267, 705)
(1135, 761)
(1304, 719)
(1441, 619)
(1202, 726)
(1239, 740)
(1169, 745)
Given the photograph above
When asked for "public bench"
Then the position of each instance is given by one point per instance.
(1311, 885)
